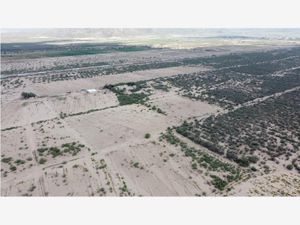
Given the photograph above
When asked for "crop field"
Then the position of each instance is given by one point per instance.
(53, 49)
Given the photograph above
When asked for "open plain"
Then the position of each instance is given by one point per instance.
(89, 119)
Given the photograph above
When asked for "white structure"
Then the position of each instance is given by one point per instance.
(89, 90)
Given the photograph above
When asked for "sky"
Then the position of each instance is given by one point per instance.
(152, 13)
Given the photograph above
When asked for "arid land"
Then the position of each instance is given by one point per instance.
(127, 120)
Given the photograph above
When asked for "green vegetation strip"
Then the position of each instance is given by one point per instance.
(206, 161)
(72, 148)
(138, 94)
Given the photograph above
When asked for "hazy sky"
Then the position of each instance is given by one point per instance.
(152, 13)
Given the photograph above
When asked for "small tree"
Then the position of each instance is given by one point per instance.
(27, 95)
(42, 161)
(147, 135)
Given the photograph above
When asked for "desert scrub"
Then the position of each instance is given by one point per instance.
(289, 167)
(218, 182)
(6, 160)
(9, 128)
(154, 108)
(204, 160)
(147, 136)
(54, 151)
(72, 148)
(101, 191)
(169, 137)
(160, 86)
(268, 127)
(62, 115)
(13, 168)
(136, 165)
(90, 111)
(102, 164)
(125, 98)
(27, 95)
(138, 94)
(159, 110)
(124, 190)
(194, 166)
(42, 161)
(19, 161)
(32, 188)
(134, 98)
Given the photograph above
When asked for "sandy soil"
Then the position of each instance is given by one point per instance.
(114, 134)
(115, 158)
(273, 184)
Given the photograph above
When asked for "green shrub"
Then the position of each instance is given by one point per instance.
(218, 182)
(42, 150)
(253, 169)
(194, 166)
(19, 161)
(160, 111)
(253, 159)
(6, 160)
(134, 98)
(13, 168)
(243, 161)
(232, 155)
(289, 167)
(147, 135)
(54, 151)
(42, 161)
(27, 95)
